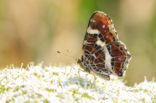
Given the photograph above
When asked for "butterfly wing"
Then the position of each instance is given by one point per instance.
(100, 35)
(120, 57)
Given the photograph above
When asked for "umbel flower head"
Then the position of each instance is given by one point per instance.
(39, 84)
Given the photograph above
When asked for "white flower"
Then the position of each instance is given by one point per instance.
(68, 85)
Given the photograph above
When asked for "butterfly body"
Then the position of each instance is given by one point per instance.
(103, 53)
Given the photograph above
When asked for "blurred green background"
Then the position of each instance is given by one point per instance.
(33, 30)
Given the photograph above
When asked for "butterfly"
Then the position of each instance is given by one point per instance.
(103, 52)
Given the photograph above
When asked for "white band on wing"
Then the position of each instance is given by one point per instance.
(92, 31)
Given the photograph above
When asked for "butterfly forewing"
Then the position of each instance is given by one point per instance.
(103, 53)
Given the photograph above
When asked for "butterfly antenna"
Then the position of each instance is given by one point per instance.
(67, 55)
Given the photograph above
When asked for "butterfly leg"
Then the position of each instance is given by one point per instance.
(94, 77)
(86, 70)
(82, 66)
(104, 76)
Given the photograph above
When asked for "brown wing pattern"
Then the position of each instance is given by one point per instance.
(120, 57)
(103, 53)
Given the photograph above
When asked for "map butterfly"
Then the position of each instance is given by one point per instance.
(103, 52)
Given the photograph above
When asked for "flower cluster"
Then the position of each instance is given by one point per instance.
(70, 84)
